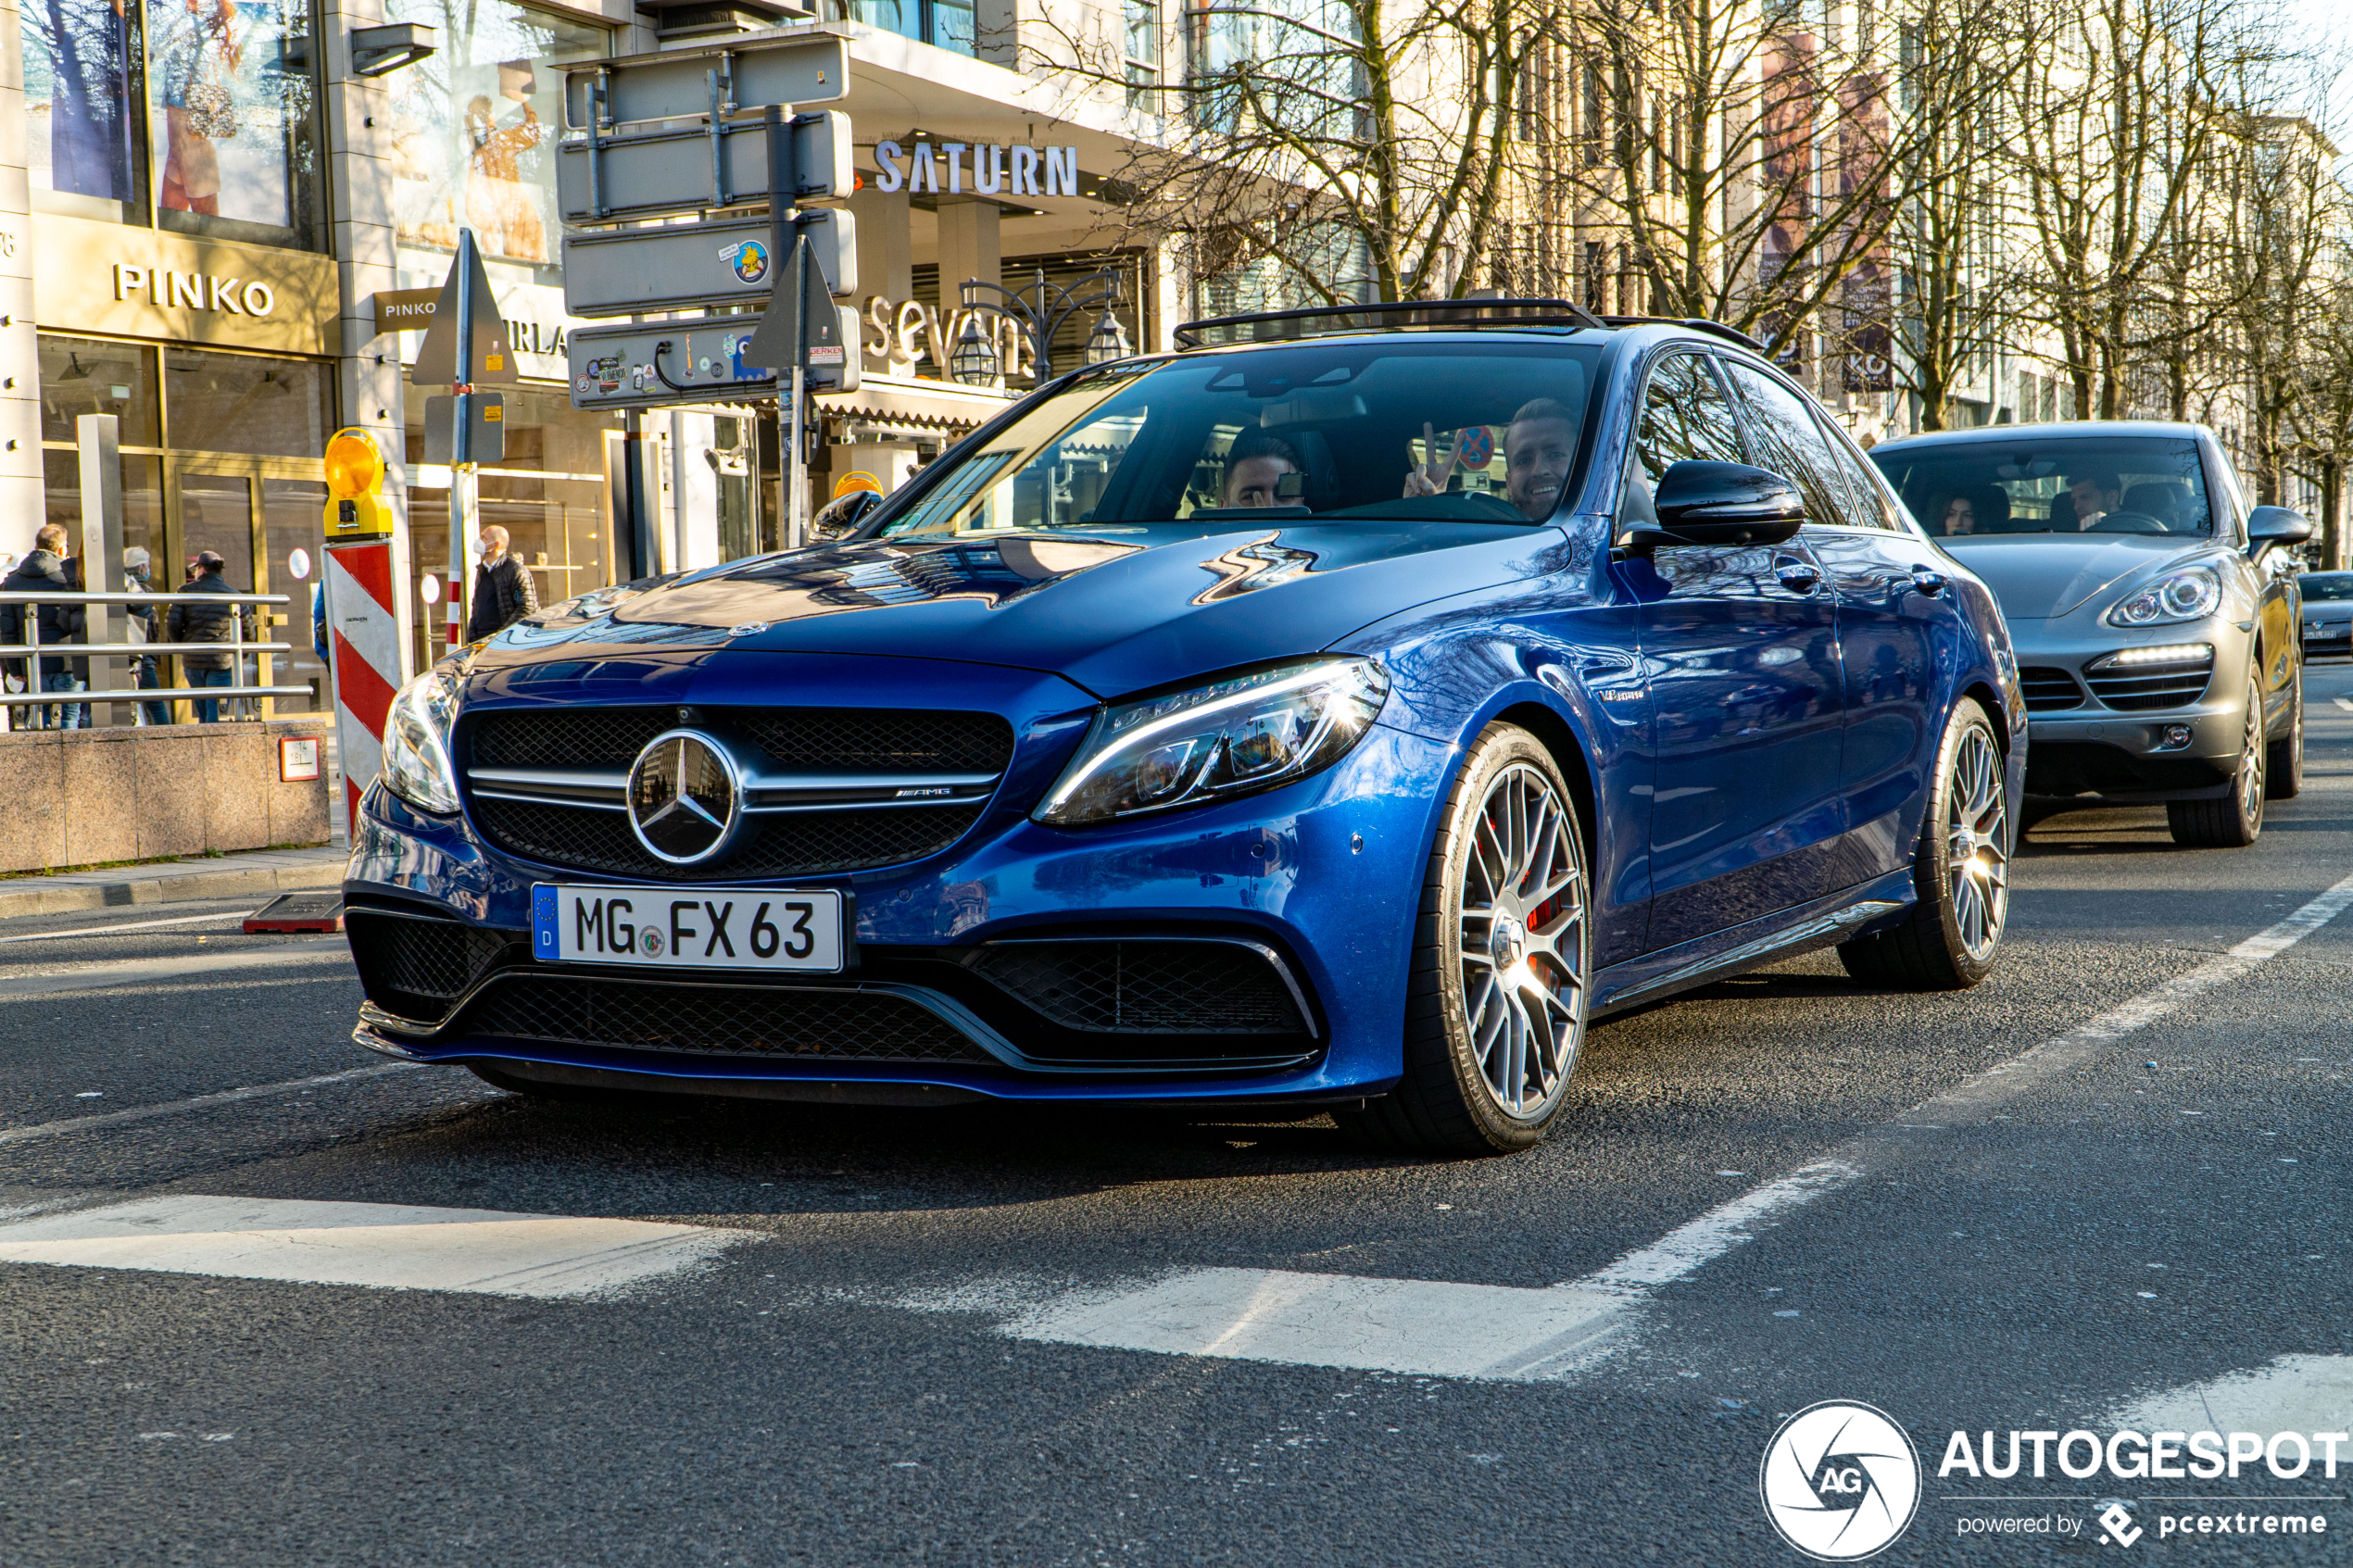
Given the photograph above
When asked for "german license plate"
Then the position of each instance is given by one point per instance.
(666, 928)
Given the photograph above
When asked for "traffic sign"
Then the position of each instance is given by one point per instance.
(802, 322)
(728, 78)
(488, 357)
(661, 364)
(627, 178)
(686, 266)
(488, 411)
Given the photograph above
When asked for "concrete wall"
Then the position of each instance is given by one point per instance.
(83, 797)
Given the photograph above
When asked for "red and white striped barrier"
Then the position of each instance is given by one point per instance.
(368, 649)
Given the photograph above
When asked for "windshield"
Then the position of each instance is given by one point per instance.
(2053, 484)
(1357, 430)
(2326, 585)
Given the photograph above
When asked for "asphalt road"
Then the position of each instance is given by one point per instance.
(859, 1336)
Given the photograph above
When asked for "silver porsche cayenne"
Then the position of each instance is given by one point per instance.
(2155, 613)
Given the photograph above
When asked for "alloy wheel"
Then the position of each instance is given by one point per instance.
(1520, 942)
(2250, 779)
(1977, 842)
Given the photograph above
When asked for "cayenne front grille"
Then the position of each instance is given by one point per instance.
(2049, 690)
(417, 966)
(1147, 986)
(2132, 683)
(799, 1022)
(826, 790)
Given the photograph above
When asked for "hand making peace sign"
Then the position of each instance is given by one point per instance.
(1429, 478)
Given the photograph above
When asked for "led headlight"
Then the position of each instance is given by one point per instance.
(2191, 594)
(417, 744)
(1212, 743)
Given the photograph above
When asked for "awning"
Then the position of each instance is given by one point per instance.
(915, 402)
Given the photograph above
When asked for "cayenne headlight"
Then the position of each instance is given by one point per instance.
(1215, 742)
(417, 744)
(2189, 595)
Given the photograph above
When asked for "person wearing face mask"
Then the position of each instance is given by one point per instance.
(503, 589)
(142, 627)
(1540, 444)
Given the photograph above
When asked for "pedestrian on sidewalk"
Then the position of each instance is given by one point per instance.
(140, 626)
(42, 571)
(503, 589)
(193, 620)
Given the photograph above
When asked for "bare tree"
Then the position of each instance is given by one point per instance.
(1361, 147)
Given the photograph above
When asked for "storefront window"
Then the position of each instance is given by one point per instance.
(80, 59)
(243, 403)
(232, 132)
(475, 127)
(946, 23)
(90, 376)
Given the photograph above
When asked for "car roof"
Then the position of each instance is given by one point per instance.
(2171, 430)
(1547, 319)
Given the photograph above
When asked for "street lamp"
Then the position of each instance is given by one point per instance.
(1042, 308)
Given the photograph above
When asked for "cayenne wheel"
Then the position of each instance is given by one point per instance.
(1503, 955)
(2284, 758)
(1962, 872)
(2232, 821)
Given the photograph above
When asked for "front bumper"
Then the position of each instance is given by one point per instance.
(2094, 734)
(2329, 638)
(1313, 885)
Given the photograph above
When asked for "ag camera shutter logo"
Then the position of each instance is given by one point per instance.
(1839, 1481)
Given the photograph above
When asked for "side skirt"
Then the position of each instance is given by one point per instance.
(1823, 924)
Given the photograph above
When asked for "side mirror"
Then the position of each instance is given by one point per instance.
(1701, 502)
(841, 515)
(2270, 526)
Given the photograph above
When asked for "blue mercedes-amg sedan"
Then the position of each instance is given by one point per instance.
(1339, 713)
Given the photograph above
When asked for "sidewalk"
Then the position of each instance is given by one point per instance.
(253, 872)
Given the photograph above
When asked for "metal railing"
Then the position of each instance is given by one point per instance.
(33, 650)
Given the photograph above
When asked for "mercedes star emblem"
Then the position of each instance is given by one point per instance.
(686, 797)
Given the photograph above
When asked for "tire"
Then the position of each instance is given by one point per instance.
(1490, 1046)
(2284, 758)
(1961, 871)
(2232, 821)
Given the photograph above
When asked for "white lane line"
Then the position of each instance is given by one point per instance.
(201, 1102)
(143, 972)
(386, 1245)
(1444, 1330)
(128, 925)
(2293, 1394)
(2346, 703)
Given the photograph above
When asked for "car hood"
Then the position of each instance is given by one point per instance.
(2042, 576)
(1114, 610)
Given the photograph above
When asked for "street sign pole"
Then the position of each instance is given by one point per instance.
(783, 185)
(461, 452)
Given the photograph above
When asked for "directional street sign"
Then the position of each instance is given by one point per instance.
(804, 322)
(488, 358)
(612, 180)
(675, 83)
(686, 266)
(661, 364)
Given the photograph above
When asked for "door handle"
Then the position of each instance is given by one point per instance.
(1798, 577)
(1929, 583)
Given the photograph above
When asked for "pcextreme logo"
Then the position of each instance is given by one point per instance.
(1839, 1481)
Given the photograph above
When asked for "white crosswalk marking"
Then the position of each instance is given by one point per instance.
(2292, 1394)
(389, 1246)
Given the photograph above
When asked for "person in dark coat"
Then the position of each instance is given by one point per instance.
(193, 620)
(142, 625)
(42, 571)
(503, 590)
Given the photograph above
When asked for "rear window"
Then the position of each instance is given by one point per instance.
(2051, 484)
(1381, 430)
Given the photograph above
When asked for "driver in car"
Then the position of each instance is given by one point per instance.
(1255, 470)
(1539, 447)
(2094, 495)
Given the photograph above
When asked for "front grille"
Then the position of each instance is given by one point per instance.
(789, 740)
(1146, 987)
(417, 966)
(784, 844)
(802, 1022)
(851, 739)
(2049, 690)
(2135, 688)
